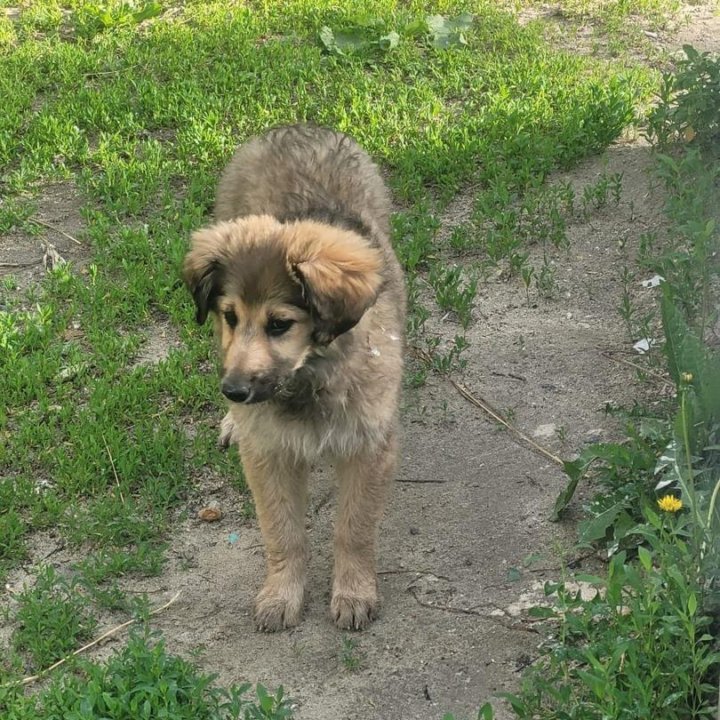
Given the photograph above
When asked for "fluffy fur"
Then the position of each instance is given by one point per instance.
(308, 303)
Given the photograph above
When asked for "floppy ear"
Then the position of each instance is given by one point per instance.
(202, 270)
(340, 276)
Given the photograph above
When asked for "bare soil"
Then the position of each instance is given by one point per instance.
(58, 226)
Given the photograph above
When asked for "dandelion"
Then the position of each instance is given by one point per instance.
(686, 377)
(669, 503)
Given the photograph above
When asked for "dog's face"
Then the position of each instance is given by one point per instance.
(278, 292)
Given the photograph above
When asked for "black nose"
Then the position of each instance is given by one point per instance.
(235, 389)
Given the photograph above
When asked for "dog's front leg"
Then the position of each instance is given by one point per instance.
(363, 479)
(279, 488)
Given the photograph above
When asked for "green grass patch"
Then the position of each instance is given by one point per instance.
(53, 619)
(144, 681)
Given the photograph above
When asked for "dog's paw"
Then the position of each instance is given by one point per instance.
(227, 428)
(278, 607)
(354, 611)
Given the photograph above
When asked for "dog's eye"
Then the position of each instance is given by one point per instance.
(277, 327)
(230, 318)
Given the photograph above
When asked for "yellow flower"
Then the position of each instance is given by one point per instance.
(686, 377)
(669, 503)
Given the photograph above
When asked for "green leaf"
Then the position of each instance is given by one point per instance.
(596, 683)
(389, 41)
(149, 10)
(587, 578)
(674, 697)
(349, 40)
(327, 38)
(576, 469)
(645, 557)
(486, 712)
(596, 528)
(541, 612)
(692, 604)
(516, 703)
(446, 32)
(686, 353)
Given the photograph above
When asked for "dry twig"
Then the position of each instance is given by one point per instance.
(610, 355)
(112, 462)
(35, 221)
(485, 407)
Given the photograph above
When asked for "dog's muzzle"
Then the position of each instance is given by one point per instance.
(247, 391)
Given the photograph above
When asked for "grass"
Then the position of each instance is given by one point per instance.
(136, 107)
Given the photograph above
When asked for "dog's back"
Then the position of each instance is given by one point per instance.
(305, 172)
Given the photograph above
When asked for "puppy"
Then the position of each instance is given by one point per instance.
(308, 301)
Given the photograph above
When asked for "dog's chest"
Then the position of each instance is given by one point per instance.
(325, 425)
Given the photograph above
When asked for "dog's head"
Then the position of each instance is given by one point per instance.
(278, 292)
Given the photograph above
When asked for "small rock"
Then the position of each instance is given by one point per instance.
(414, 531)
(545, 431)
(210, 514)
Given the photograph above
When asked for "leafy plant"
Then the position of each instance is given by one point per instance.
(446, 32)
(640, 647)
(93, 18)
(452, 292)
(688, 108)
(359, 39)
(142, 681)
(643, 646)
(349, 654)
(52, 619)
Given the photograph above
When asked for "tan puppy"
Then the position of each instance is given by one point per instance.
(308, 301)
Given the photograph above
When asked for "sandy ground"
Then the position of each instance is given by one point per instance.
(466, 542)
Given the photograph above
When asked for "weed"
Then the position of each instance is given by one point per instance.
(444, 362)
(14, 213)
(545, 280)
(615, 652)
(12, 531)
(690, 265)
(452, 293)
(52, 619)
(349, 654)
(143, 681)
(639, 325)
(607, 188)
(519, 260)
(688, 108)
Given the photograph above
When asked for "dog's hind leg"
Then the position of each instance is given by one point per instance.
(363, 479)
(279, 488)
